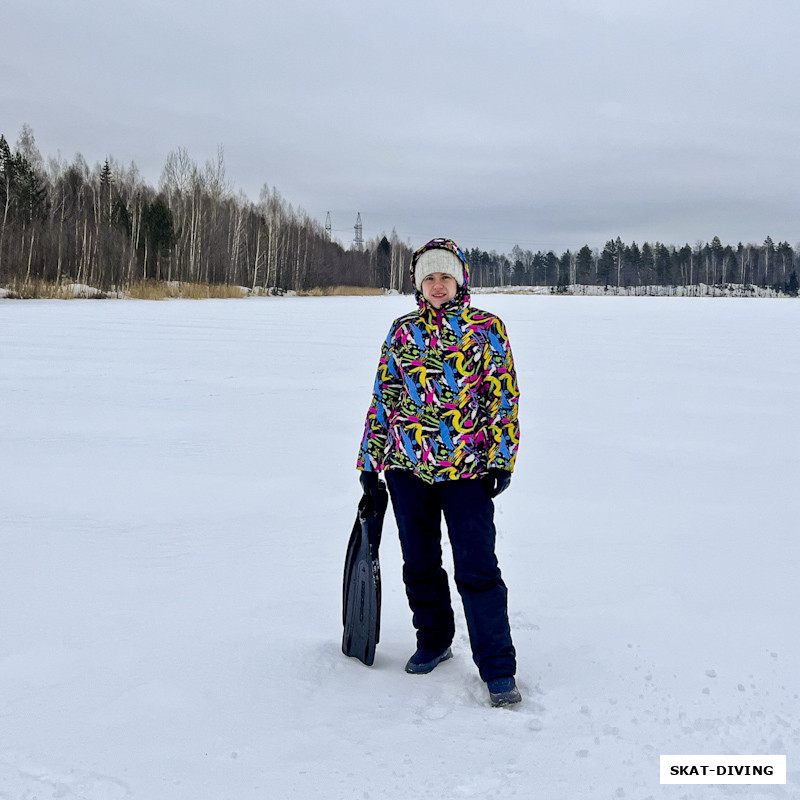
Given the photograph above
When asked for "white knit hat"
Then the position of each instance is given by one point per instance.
(438, 259)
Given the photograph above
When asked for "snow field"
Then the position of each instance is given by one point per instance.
(178, 487)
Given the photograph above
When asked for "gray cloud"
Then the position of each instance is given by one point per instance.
(539, 124)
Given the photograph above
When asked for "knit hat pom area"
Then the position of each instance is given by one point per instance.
(438, 260)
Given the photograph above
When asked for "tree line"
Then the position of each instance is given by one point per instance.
(107, 227)
(621, 265)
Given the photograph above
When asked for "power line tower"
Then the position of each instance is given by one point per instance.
(358, 240)
(328, 226)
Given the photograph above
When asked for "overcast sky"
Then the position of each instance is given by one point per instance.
(543, 124)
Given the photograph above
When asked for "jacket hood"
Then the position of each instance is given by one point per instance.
(462, 294)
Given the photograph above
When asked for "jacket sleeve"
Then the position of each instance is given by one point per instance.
(386, 392)
(501, 396)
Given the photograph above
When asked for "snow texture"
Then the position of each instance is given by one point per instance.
(178, 487)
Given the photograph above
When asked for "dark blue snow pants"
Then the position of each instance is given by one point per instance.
(469, 514)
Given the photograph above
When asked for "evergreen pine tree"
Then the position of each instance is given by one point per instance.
(105, 191)
(383, 263)
(662, 264)
(633, 259)
(607, 263)
(648, 264)
(584, 263)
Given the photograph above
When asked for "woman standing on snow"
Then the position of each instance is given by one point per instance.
(443, 425)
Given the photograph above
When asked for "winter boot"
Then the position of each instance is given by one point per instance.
(423, 661)
(503, 692)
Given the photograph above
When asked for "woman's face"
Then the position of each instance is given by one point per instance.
(439, 288)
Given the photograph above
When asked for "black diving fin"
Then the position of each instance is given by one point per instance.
(361, 589)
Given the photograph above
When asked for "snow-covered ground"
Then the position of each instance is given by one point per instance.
(178, 486)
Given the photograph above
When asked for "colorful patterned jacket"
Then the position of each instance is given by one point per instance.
(445, 399)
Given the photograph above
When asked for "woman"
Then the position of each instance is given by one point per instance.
(443, 426)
